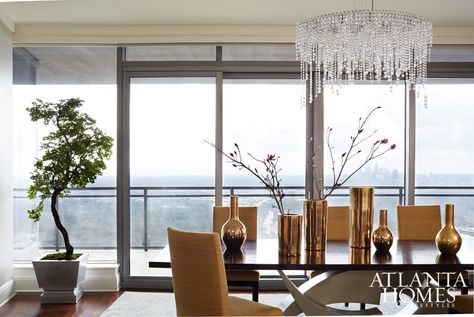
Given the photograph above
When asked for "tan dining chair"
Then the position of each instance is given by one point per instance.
(248, 215)
(199, 279)
(418, 222)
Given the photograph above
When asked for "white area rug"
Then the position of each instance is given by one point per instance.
(142, 304)
(150, 304)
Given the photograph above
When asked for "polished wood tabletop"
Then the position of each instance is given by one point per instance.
(404, 255)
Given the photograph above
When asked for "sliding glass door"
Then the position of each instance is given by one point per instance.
(171, 168)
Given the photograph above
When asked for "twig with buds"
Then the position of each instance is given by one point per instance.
(269, 178)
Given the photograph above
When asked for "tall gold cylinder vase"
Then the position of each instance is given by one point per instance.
(315, 224)
(289, 234)
(361, 216)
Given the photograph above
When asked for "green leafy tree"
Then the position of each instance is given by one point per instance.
(74, 152)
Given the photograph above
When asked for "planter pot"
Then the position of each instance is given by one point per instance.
(61, 279)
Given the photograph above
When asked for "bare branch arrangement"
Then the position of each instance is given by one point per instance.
(377, 149)
(269, 178)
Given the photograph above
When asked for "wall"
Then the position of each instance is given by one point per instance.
(6, 205)
(137, 34)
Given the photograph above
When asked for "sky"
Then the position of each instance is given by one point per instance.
(170, 121)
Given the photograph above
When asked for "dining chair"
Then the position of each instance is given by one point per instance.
(418, 222)
(199, 279)
(422, 223)
(248, 215)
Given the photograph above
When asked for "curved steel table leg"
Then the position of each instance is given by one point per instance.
(313, 296)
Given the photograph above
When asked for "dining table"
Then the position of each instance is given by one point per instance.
(340, 263)
(262, 254)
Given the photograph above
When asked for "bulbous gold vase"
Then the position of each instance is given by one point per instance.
(382, 236)
(233, 232)
(448, 240)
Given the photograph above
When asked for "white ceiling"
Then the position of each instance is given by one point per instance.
(241, 12)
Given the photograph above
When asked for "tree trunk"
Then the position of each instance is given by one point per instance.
(57, 221)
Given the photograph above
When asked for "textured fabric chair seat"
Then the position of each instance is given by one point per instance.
(242, 307)
(244, 276)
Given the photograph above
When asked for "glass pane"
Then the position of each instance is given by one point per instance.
(171, 167)
(89, 215)
(265, 117)
(259, 53)
(172, 53)
(343, 108)
(444, 152)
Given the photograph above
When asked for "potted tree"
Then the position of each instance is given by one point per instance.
(74, 153)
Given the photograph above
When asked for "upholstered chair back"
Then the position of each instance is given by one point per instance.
(338, 223)
(418, 222)
(199, 279)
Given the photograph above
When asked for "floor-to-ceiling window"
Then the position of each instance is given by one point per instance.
(345, 108)
(264, 117)
(50, 74)
(444, 152)
(176, 94)
(171, 167)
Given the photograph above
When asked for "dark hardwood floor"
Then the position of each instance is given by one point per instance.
(28, 305)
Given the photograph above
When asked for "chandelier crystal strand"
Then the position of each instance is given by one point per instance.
(363, 45)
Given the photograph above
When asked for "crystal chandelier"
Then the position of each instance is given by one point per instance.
(363, 45)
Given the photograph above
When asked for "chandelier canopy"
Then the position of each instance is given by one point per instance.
(363, 45)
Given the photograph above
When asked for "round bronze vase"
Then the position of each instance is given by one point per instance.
(448, 240)
(382, 237)
(289, 234)
(361, 216)
(233, 232)
(315, 224)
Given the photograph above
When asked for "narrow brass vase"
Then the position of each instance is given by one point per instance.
(289, 234)
(361, 216)
(315, 224)
(233, 232)
(448, 240)
(382, 236)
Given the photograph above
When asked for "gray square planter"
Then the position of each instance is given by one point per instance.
(60, 280)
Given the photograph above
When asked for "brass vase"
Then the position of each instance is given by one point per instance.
(233, 232)
(315, 224)
(360, 256)
(448, 240)
(289, 234)
(382, 236)
(361, 216)
(231, 256)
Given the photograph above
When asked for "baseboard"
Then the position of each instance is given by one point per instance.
(99, 278)
(7, 291)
